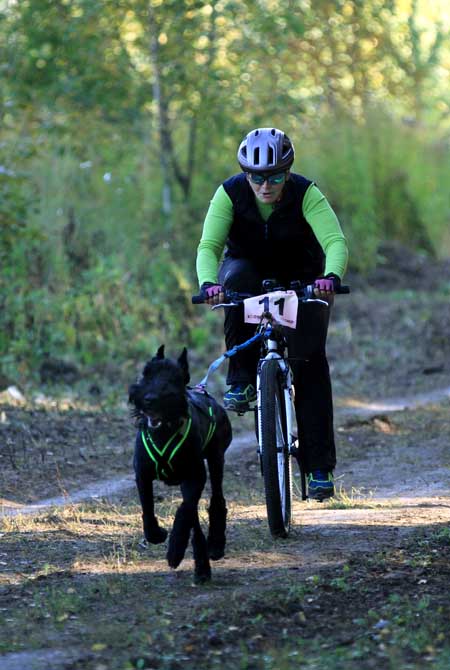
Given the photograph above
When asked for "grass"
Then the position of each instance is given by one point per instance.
(77, 579)
(355, 498)
(338, 593)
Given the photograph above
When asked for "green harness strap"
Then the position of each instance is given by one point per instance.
(162, 457)
(211, 429)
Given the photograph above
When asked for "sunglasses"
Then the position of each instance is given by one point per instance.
(271, 178)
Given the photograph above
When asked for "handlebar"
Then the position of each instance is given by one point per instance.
(304, 293)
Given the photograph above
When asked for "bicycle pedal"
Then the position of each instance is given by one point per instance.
(240, 411)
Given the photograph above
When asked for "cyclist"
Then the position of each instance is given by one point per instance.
(275, 223)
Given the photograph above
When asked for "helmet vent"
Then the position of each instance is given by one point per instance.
(270, 156)
(256, 156)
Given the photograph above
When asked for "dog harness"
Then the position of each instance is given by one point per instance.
(162, 457)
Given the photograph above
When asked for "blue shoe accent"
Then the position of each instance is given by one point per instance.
(239, 396)
(320, 485)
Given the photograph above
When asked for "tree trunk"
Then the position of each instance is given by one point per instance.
(161, 115)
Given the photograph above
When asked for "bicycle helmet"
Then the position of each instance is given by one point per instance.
(266, 150)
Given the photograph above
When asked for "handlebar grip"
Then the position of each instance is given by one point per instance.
(198, 299)
(310, 291)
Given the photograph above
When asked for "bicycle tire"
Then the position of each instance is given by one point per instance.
(276, 460)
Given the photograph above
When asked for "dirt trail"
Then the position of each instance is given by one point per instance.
(360, 552)
(392, 493)
(408, 479)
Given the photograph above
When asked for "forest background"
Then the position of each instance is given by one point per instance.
(119, 119)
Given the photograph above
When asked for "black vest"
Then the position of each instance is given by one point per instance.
(284, 245)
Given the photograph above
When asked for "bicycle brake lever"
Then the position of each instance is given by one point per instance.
(324, 302)
(225, 304)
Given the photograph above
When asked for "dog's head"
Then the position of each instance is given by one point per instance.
(159, 396)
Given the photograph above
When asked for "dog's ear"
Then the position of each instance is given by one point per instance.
(184, 365)
(160, 353)
(159, 357)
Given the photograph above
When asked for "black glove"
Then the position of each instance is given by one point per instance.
(210, 291)
(328, 284)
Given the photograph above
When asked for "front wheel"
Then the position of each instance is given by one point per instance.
(276, 460)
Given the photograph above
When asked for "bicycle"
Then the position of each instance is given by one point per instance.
(275, 416)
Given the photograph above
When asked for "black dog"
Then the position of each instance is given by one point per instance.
(178, 429)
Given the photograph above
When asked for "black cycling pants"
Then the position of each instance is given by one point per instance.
(307, 354)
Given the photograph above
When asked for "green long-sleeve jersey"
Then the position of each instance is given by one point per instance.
(316, 210)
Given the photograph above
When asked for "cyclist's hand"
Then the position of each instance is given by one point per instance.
(325, 287)
(212, 293)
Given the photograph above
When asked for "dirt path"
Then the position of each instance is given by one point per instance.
(394, 477)
(408, 477)
(361, 583)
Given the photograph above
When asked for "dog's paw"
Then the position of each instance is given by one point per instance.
(216, 536)
(174, 557)
(176, 550)
(202, 574)
(156, 535)
(216, 551)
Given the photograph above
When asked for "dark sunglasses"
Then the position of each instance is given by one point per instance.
(260, 178)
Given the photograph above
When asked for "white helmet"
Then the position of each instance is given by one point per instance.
(266, 150)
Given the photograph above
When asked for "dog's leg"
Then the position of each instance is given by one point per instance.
(186, 516)
(200, 548)
(217, 510)
(179, 536)
(152, 530)
(144, 481)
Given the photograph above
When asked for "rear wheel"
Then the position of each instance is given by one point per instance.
(276, 460)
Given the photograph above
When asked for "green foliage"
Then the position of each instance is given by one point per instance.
(62, 54)
(89, 272)
(105, 106)
(385, 180)
(92, 270)
(339, 160)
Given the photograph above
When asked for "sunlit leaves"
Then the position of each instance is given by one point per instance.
(95, 54)
(69, 54)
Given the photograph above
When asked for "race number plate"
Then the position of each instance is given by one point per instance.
(283, 306)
